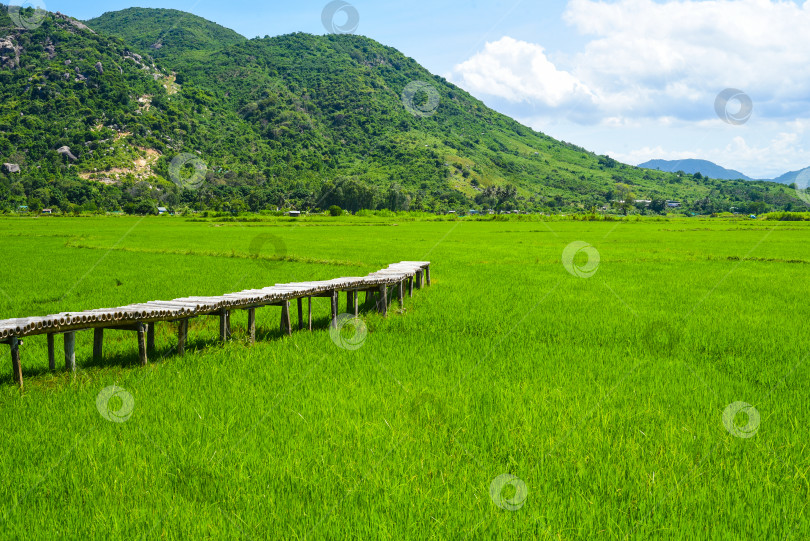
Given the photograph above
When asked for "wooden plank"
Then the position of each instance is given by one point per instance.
(252, 325)
(401, 293)
(286, 326)
(51, 353)
(182, 336)
(150, 337)
(309, 317)
(70, 351)
(300, 314)
(141, 343)
(16, 366)
(98, 345)
(427, 274)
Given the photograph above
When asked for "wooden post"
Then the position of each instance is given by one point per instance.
(141, 327)
(349, 295)
(356, 299)
(252, 325)
(410, 286)
(427, 274)
(16, 367)
(300, 314)
(401, 293)
(419, 278)
(309, 302)
(150, 336)
(70, 351)
(182, 336)
(382, 305)
(223, 325)
(335, 295)
(98, 345)
(286, 325)
(51, 354)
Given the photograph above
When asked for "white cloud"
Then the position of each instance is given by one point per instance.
(518, 71)
(647, 75)
(649, 59)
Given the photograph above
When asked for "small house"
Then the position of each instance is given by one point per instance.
(162, 210)
(47, 211)
(294, 213)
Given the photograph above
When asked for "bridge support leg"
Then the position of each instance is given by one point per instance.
(150, 336)
(16, 367)
(286, 325)
(252, 325)
(70, 351)
(300, 314)
(182, 336)
(382, 305)
(141, 328)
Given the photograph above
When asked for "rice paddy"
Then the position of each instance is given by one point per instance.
(648, 382)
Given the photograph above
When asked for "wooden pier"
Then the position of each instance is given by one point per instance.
(142, 318)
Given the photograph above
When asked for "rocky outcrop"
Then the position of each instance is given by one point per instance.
(65, 151)
(74, 22)
(11, 167)
(9, 53)
(99, 68)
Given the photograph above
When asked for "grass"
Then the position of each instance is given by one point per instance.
(603, 395)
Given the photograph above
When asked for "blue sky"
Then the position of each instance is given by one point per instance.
(637, 79)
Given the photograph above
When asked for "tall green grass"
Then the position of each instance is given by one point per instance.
(603, 395)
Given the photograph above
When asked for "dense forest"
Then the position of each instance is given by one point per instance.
(144, 108)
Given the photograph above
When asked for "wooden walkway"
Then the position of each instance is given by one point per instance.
(141, 318)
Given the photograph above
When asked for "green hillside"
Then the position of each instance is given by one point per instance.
(297, 121)
(165, 33)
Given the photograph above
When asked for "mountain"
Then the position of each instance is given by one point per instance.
(704, 167)
(92, 117)
(165, 33)
(802, 175)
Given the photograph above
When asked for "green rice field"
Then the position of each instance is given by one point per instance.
(649, 382)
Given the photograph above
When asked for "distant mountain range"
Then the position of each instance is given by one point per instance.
(712, 170)
(789, 178)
